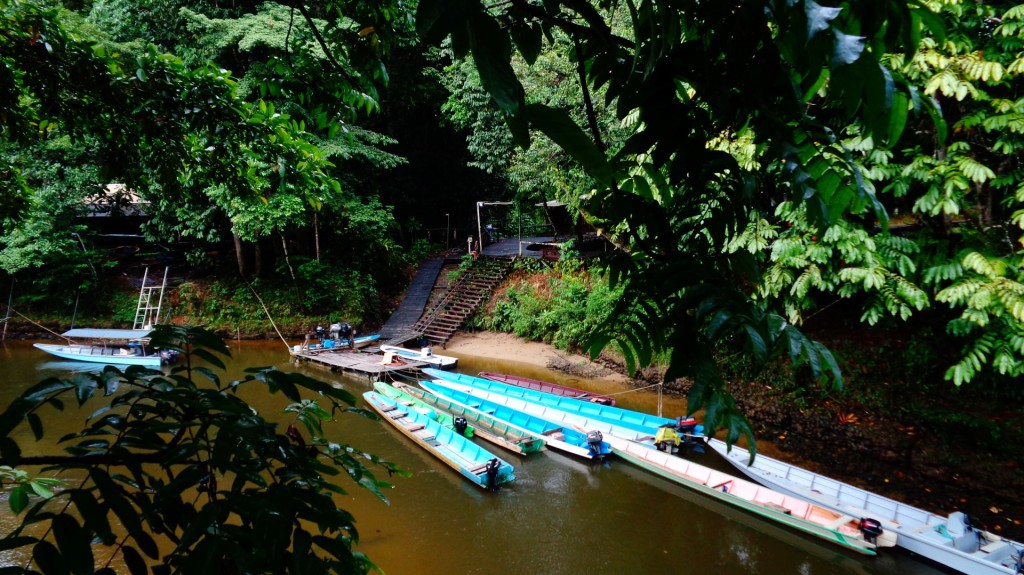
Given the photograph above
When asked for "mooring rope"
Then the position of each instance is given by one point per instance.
(28, 319)
(265, 310)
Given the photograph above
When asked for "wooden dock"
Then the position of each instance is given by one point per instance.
(356, 362)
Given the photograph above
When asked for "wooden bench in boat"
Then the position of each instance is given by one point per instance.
(477, 470)
(777, 507)
(843, 520)
(994, 546)
(388, 408)
(398, 414)
(415, 427)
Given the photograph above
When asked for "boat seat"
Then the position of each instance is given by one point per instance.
(398, 414)
(994, 546)
(777, 507)
(478, 469)
(857, 511)
(387, 408)
(415, 427)
(430, 438)
(843, 520)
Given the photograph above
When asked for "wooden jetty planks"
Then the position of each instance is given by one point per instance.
(355, 361)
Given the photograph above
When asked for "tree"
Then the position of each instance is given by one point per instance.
(787, 77)
(182, 458)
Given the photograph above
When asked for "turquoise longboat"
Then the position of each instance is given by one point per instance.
(566, 418)
(547, 387)
(556, 435)
(443, 417)
(472, 461)
(644, 426)
(860, 535)
(487, 427)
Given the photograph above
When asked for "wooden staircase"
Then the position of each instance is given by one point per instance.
(441, 321)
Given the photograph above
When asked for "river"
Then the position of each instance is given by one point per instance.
(560, 516)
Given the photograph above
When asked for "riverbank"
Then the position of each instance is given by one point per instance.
(508, 347)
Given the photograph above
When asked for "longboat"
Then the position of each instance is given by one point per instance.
(952, 541)
(556, 435)
(459, 424)
(473, 462)
(119, 346)
(424, 354)
(547, 387)
(859, 534)
(668, 434)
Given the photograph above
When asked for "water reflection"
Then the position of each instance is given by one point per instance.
(562, 515)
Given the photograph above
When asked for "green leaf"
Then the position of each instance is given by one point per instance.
(819, 17)
(48, 559)
(36, 424)
(74, 544)
(529, 39)
(491, 52)
(435, 19)
(134, 561)
(846, 49)
(897, 117)
(563, 131)
(19, 499)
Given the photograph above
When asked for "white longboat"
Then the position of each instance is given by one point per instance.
(951, 541)
(119, 346)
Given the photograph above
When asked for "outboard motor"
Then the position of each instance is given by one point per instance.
(460, 425)
(871, 528)
(168, 356)
(687, 427)
(594, 440)
(492, 474)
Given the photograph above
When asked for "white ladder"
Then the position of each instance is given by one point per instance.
(147, 314)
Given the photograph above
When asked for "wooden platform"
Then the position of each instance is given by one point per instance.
(358, 362)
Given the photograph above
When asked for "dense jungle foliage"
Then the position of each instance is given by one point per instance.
(758, 167)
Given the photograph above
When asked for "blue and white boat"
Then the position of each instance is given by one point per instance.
(627, 424)
(555, 434)
(472, 461)
(425, 354)
(485, 426)
(109, 347)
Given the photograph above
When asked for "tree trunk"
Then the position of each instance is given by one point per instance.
(316, 236)
(287, 260)
(239, 256)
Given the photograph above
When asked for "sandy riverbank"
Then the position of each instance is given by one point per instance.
(508, 347)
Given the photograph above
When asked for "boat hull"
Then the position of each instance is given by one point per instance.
(552, 388)
(917, 530)
(643, 424)
(98, 354)
(462, 455)
(491, 429)
(705, 480)
(440, 361)
(555, 434)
